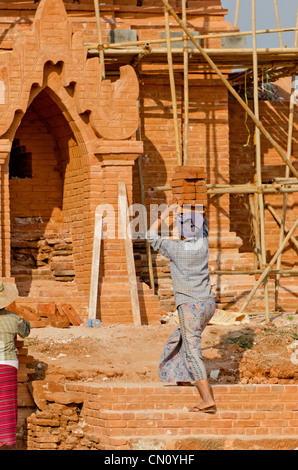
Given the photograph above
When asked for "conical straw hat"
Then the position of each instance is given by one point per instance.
(8, 294)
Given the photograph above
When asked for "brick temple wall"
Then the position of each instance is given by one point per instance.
(63, 139)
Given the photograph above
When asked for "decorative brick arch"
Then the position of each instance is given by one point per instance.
(112, 106)
(102, 116)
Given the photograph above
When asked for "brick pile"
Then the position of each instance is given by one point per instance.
(48, 314)
(189, 186)
(56, 424)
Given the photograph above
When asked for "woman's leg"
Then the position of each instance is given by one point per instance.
(194, 319)
(206, 395)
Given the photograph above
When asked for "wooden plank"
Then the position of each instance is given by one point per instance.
(133, 286)
(98, 227)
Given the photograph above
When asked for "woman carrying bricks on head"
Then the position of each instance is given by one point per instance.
(10, 325)
(181, 360)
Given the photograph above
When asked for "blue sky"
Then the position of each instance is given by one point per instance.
(265, 18)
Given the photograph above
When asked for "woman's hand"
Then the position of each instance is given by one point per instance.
(175, 208)
(172, 208)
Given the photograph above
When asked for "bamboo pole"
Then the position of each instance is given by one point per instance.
(237, 13)
(233, 92)
(258, 157)
(283, 226)
(100, 41)
(201, 37)
(250, 272)
(240, 189)
(269, 267)
(173, 89)
(278, 22)
(148, 248)
(186, 88)
(266, 52)
(257, 249)
(250, 190)
(287, 174)
(143, 202)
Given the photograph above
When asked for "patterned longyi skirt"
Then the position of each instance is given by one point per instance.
(8, 405)
(181, 359)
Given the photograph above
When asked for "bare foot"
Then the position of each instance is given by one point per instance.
(204, 407)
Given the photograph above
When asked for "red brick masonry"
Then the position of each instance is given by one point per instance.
(141, 416)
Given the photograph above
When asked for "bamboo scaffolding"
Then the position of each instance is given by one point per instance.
(200, 37)
(282, 226)
(173, 89)
(258, 176)
(233, 92)
(287, 174)
(243, 57)
(255, 57)
(269, 267)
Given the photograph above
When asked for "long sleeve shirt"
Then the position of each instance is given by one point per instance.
(188, 263)
(10, 326)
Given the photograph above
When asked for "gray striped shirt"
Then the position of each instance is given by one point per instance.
(188, 263)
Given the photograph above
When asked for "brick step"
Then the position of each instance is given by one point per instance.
(201, 442)
(141, 416)
(180, 421)
(154, 396)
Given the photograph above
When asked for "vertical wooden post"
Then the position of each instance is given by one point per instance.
(173, 89)
(100, 41)
(186, 88)
(258, 156)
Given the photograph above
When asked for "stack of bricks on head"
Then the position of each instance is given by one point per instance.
(189, 187)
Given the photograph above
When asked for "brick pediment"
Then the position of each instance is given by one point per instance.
(112, 106)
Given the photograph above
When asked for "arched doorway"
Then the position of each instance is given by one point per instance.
(44, 186)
